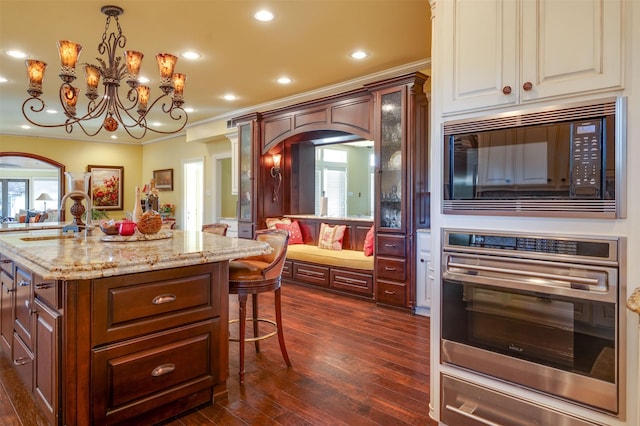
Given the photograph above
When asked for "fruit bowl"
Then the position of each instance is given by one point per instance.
(109, 227)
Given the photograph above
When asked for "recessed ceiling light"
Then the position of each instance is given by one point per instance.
(24, 126)
(143, 80)
(3, 80)
(52, 111)
(157, 123)
(263, 15)
(114, 137)
(16, 54)
(284, 80)
(189, 110)
(359, 54)
(230, 97)
(190, 54)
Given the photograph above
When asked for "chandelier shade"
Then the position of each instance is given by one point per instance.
(111, 109)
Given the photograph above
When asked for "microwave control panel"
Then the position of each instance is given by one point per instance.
(586, 158)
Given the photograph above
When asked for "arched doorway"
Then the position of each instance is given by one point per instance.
(30, 181)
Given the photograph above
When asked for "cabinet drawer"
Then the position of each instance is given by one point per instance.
(22, 360)
(318, 275)
(138, 376)
(6, 265)
(153, 301)
(391, 269)
(391, 245)
(287, 270)
(48, 291)
(352, 281)
(391, 293)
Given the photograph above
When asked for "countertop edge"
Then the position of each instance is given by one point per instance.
(633, 302)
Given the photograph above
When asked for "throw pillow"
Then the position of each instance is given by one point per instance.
(271, 221)
(330, 237)
(295, 235)
(368, 243)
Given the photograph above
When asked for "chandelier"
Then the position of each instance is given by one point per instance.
(109, 110)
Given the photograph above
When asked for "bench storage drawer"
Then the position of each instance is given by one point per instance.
(314, 274)
(351, 281)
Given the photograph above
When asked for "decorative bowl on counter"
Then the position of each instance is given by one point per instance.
(109, 227)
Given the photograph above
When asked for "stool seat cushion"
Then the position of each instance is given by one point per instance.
(246, 269)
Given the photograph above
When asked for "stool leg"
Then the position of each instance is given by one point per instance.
(256, 332)
(283, 348)
(242, 302)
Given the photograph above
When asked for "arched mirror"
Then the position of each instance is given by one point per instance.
(30, 182)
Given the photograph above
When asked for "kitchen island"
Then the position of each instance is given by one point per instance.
(117, 332)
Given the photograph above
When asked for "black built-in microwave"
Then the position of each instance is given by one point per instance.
(565, 161)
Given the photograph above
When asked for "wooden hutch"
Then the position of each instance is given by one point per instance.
(394, 114)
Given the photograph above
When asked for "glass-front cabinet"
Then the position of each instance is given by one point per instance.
(402, 196)
(391, 213)
(247, 168)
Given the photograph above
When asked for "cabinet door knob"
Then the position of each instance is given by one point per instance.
(506, 90)
(527, 86)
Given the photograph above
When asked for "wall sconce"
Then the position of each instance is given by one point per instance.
(276, 174)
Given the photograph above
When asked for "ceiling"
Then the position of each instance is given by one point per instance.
(309, 41)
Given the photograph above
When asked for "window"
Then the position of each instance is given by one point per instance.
(331, 180)
(13, 195)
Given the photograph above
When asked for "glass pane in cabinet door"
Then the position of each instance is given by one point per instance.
(245, 194)
(391, 161)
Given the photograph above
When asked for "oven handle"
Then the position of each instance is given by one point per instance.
(471, 416)
(581, 280)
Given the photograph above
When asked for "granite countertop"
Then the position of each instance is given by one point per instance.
(39, 226)
(633, 302)
(78, 256)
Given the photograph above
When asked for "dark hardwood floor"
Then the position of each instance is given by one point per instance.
(353, 364)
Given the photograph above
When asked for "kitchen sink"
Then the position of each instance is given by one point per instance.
(47, 237)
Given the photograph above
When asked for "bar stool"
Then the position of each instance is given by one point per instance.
(215, 228)
(254, 275)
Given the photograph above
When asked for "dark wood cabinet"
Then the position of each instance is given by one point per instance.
(394, 114)
(7, 289)
(132, 349)
(46, 386)
(248, 174)
(402, 197)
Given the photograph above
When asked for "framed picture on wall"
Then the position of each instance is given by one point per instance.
(106, 187)
(164, 179)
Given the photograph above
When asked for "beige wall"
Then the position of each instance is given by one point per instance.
(77, 155)
(171, 154)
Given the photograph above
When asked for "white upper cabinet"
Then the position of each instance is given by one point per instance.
(506, 52)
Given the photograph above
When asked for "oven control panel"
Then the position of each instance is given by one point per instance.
(586, 158)
(527, 243)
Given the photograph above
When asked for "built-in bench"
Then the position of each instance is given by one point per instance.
(346, 271)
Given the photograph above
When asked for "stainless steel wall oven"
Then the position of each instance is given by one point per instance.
(535, 310)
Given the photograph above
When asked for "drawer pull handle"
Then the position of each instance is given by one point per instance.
(6, 261)
(44, 286)
(310, 273)
(389, 292)
(468, 412)
(24, 283)
(164, 298)
(21, 361)
(163, 369)
(388, 268)
(390, 245)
